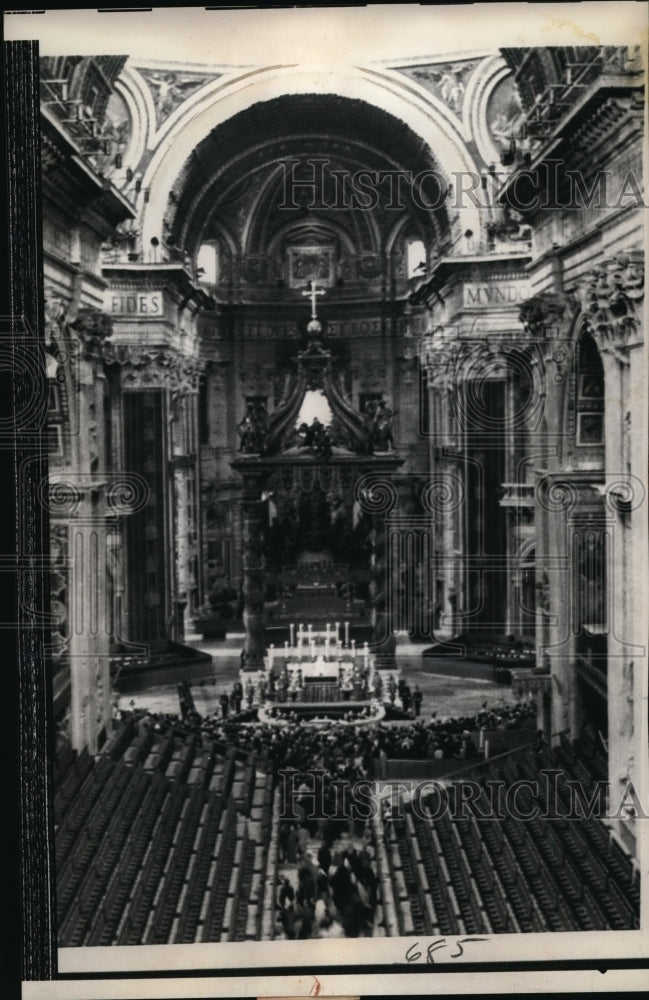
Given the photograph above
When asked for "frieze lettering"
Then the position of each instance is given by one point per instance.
(482, 294)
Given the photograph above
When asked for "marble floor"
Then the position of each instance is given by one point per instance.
(445, 695)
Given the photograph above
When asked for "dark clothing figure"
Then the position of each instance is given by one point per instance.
(307, 888)
(292, 844)
(286, 893)
(417, 699)
(343, 890)
(225, 704)
(284, 831)
(324, 858)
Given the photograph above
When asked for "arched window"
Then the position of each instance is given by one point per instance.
(416, 259)
(589, 393)
(207, 264)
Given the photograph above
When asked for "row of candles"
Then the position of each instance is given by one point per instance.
(306, 641)
(306, 635)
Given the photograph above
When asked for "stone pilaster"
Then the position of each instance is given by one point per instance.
(548, 319)
(252, 655)
(611, 298)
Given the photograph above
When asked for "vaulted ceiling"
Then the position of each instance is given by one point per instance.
(247, 183)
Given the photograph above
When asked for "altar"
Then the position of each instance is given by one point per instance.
(316, 666)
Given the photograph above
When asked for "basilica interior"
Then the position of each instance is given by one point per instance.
(337, 372)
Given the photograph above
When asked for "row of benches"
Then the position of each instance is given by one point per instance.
(467, 874)
(159, 839)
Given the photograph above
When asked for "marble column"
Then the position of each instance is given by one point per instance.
(182, 550)
(378, 497)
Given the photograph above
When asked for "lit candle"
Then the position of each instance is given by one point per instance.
(347, 633)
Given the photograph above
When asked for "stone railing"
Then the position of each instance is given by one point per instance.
(517, 495)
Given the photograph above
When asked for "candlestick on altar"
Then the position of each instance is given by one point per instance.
(286, 644)
(292, 629)
(327, 631)
(347, 633)
(337, 631)
(354, 649)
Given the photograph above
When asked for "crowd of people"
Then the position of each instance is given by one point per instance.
(333, 892)
(328, 884)
(350, 684)
(341, 744)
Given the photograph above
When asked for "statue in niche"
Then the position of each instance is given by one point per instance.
(252, 429)
(378, 417)
(383, 416)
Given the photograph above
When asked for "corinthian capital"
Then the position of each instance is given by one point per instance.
(154, 368)
(92, 327)
(611, 299)
(548, 314)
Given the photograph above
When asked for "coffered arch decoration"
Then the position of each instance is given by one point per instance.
(382, 92)
(301, 159)
(272, 213)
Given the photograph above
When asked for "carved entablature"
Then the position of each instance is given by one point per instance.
(151, 368)
(449, 360)
(611, 298)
